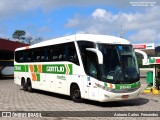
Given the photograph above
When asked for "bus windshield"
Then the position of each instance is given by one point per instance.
(119, 64)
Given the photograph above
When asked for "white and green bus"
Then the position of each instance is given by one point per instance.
(85, 66)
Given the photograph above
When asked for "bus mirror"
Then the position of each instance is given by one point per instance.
(98, 53)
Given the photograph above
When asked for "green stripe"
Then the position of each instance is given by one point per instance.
(70, 68)
(50, 68)
(149, 46)
(105, 84)
(38, 77)
(26, 68)
(19, 68)
(127, 86)
(35, 68)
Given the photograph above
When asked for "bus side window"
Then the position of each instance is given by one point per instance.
(25, 57)
(18, 56)
(36, 55)
(71, 53)
(48, 53)
(29, 56)
(43, 58)
(55, 54)
(21, 59)
(43, 55)
(58, 52)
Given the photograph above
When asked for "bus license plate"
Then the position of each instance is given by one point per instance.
(125, 96)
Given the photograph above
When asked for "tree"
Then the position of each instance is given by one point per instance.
(18, 34)
(26, 38)
(37, 40)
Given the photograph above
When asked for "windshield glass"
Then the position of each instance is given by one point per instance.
(119, 64)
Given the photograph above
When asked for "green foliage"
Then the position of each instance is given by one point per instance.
(18, 33)
(158, 54)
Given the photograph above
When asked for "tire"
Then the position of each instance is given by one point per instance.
(24, 85)
(29, 86)
(75, 94)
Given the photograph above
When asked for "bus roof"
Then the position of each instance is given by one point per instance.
(80, 37)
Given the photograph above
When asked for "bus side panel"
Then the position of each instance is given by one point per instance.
(20, 71)
(61, 83)
(93, 89)
(50, 82)
(17, 78)
(76, 79)
(42, 81)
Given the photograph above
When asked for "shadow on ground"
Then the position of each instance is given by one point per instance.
(135, 102)
(5, 78)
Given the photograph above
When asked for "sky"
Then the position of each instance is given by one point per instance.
(137, 20)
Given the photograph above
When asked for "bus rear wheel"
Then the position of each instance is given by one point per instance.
(75, 94)
(24, 84)
(29, 86)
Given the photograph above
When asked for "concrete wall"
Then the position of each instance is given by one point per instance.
(143, 71)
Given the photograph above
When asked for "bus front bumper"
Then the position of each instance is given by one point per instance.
(107, 96)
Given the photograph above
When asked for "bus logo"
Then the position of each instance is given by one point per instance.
(17, 68)
(125, 87)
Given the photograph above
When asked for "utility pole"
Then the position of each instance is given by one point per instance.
(121, 32)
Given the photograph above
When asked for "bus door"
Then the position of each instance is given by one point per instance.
(91, 68)
(86, 80)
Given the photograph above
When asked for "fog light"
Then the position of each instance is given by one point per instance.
(106, 96)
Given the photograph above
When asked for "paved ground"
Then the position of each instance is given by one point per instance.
(12, 98)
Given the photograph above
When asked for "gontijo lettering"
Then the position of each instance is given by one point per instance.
(55, 68)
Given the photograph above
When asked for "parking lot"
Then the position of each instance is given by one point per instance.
(13, 98)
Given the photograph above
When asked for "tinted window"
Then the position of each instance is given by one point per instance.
(60, 52)
(91, 65)
(71, 53)
(84, 53)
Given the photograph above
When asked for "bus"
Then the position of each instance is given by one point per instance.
(84, 66)
(6, 68)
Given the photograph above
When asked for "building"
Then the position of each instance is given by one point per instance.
(7, 48)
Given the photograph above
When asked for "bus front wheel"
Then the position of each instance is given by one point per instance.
(75, 93)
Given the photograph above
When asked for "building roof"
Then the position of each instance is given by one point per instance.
(10, 45)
